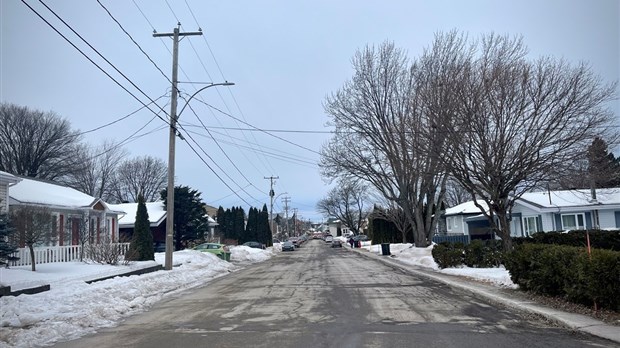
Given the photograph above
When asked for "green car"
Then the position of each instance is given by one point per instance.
(220, 250)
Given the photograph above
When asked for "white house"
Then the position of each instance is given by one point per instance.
(543, 211)
(70, 209)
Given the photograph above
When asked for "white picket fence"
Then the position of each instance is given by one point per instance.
(50, 254)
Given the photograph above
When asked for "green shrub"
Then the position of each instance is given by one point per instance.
(566, 271)
(597, 279)
(609, 240)
(448, 254)
(474, 253)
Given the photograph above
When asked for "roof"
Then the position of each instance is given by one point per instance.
(466, 208)
(571, 198)
(37, 192)
(8, 178)
(156, 212)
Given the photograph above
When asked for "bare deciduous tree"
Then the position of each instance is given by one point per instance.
(518, 121)
(95, 174)
(455, 193)
(142, 175)
(346, 202)
(387, 126)
(35, 143)
(33, 225)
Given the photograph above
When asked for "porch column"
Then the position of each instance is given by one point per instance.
(61, 229)
(98, 229)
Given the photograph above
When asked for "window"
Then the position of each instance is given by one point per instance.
(530, 226)
(573, 221)
(450, 223)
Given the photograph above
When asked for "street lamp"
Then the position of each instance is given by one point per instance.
(170, 199)
(271, 213)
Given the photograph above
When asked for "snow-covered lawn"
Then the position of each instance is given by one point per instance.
(73, 308)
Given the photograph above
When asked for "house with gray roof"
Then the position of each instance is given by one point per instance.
(542, 211)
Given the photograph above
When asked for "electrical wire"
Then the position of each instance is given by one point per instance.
(258, 129)
(90, 59)
(134, 41)
(218, 145)
(117, 120)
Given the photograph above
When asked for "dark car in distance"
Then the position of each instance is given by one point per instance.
(288, 246)
(256, 245)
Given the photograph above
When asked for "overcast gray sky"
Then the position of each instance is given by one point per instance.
(284, 58)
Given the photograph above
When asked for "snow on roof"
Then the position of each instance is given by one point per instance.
(8, 178)
(155, 210)
(34, 191)
(466, 208)
(572, 198)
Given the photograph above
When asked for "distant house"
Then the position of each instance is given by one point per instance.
(71, 210)
(157, 218)
(542, 211)
(467, 219)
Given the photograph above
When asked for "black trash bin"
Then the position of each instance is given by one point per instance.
(385, 249)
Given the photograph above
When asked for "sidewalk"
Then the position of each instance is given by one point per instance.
(507, 299)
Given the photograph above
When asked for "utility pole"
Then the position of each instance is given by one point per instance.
(271, 194)
(286, 200)
(173, 118)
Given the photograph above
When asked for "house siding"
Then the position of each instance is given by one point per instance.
(617, 214)
(607, 219)
(4, 198)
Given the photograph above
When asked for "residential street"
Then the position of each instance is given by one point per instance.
(323, 297)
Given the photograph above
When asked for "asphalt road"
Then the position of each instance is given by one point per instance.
(329, 297)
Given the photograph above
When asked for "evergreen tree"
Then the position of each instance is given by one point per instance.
(6, 248)
(251, 232)
(221, 217)
(141, 246)
(264, 232)
(190, 218)
(239, 218)
(603, 167)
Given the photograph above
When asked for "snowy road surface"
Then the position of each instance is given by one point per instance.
(323, 297)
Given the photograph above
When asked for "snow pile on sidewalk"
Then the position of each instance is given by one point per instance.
(423, 257)
(73, 308)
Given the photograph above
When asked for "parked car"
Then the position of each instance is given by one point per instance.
(159, 247)
(256, 245)
(360, 238)
(288, 246)
(220, 250)
(296, 242)
(329, 239)
(336, 243)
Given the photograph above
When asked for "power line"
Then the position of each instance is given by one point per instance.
(215, 173)
(117, 120)
(134, 41)
(261, 130)
(89, 59)
(293, 160)
(143, 15)
(218, 145)
(266, 163)
(278, 154)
